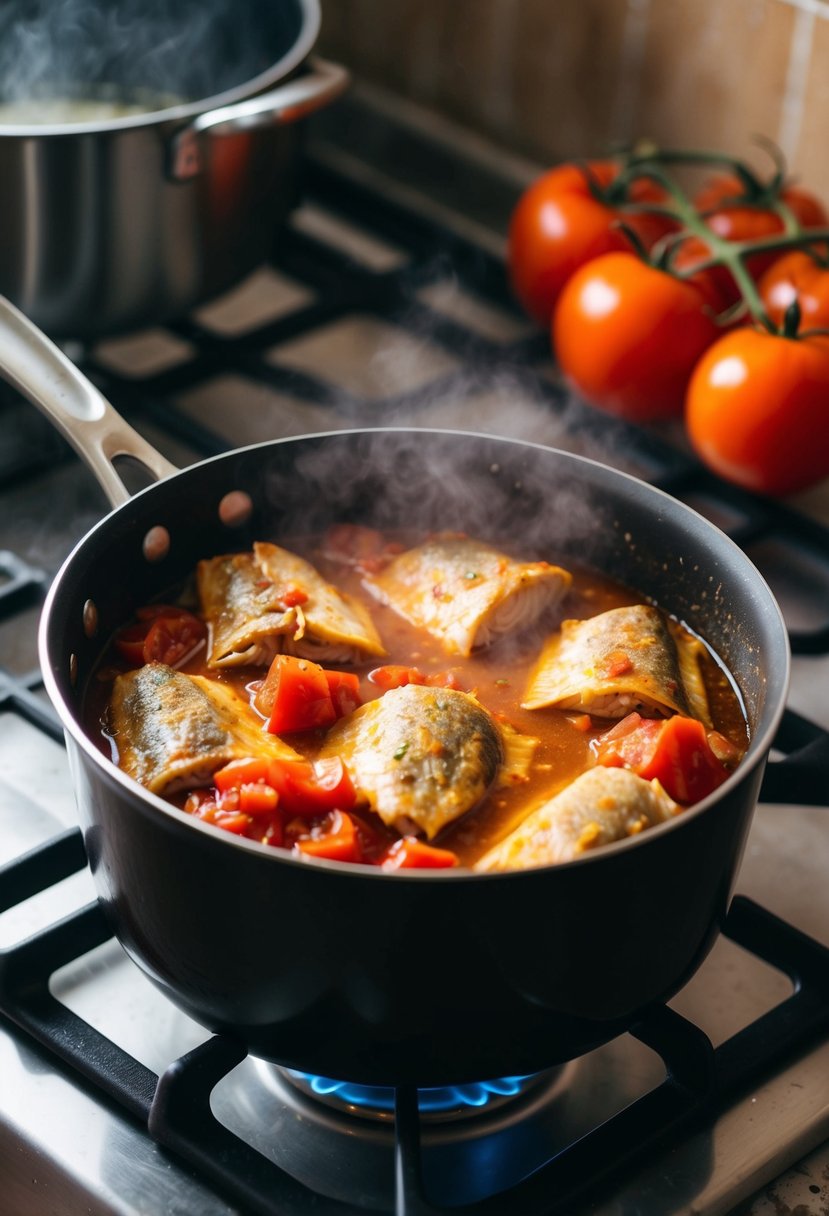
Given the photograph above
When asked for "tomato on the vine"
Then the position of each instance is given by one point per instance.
(757, 410)
(559, 224)
(799, 276)
(690, 253)
(725, 192)
(732, 214)
(627, 335)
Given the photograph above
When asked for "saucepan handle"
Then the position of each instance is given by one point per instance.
(41, 371)
(295, 99)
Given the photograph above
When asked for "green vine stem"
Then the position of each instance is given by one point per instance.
(731, 254)
(755, 189)
(646, 154)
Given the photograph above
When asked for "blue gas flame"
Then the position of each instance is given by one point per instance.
(433, 1101)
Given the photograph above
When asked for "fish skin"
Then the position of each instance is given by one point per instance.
(569, 675)
(243, 615)
(331, 617)
(240, 595)
(173, 730)
(421, 756)
(602, 805)
(456, 587)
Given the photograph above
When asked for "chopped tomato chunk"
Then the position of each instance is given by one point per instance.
(232, 821)
(339, 842)
(676, 751)
(302, 804)
(198, 799)
(299, 695)
(297, 787)
(291, 597)
(395, 675)
(412, 854)
(172, 639)
(344, 687)
(444, 679)
(240, 772)
(164, 634)
(309, 787)
(256, 798)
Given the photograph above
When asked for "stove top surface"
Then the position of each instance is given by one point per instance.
(372, 313)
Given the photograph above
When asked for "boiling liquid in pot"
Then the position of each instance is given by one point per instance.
(64, 111)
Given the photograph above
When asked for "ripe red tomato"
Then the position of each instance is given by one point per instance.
(730, 214)
(756, 410)
(559, 224)
(627, 336)
(797, 276)
(692, 252)
(723, 188)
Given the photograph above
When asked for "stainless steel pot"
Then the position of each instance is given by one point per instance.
(108, 226)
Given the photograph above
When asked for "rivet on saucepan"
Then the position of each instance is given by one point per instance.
(90, 619)
(235, 508)
(73, 669)
(156, 543)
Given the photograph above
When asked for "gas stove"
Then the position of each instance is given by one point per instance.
(381, 307)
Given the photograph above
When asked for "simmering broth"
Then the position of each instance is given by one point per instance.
(496, 675)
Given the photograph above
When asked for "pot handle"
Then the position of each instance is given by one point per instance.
(294, 99)
(41, 371)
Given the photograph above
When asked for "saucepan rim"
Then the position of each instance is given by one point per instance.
(756, 753)
(299, 50)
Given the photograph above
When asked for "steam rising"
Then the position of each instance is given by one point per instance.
(422, 482)
(179, 49)
(436, 481)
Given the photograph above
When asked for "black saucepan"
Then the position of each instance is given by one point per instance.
(417, 977)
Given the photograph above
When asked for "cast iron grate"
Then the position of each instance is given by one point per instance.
(175, 1107)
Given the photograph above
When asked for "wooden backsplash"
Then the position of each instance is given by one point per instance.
(549, 79)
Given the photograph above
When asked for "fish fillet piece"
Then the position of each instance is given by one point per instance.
(600, 806)
(172, 731)
(272, 602)
(420, 756)
(467, 594)
(609, 665)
